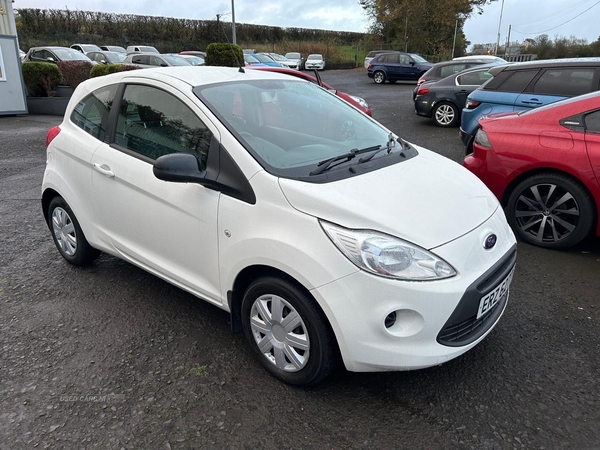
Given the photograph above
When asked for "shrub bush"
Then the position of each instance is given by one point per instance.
(105, 69)
(75, 72)
(41, 78)
(218, 54)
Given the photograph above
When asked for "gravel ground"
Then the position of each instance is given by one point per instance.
(111, 357)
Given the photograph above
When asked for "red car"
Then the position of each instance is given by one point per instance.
(544, 167)
(357, 102)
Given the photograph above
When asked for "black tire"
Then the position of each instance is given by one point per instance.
(445, 114)
(551, 223)
(379, 77)
(321, 354)
(67, 234)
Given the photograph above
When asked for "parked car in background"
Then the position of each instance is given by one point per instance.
(153, 59)
(528, 85)
(282, 60)
(357, 102)
(373, 54)
(113, 48)
(106, 57)
(22, 54)
(192, 59)
(85, 48)
(251, 60)
(314, 61)
(141, 49)
(397, 66)
(266, 60)
(544, 166)
(486, 58)
(297, 58)
(445, 69)
(443, 100)
(329, 264)
(54, 55)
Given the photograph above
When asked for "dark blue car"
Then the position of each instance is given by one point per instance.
(394, 66)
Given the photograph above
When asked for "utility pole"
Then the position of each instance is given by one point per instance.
(406, 34)
(499, 24)
(454, 43)
(508, 41)
(233, 23)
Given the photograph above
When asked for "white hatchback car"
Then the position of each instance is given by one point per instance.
(323, 234)
(314, 62)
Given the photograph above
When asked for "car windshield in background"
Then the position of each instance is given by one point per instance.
(315, 57)
(292, 126)
(417, 58)
(250, 59)
(68, 54)
(146, 49)
(194, 60)
(176, 61)
(263, 58)
(114, 57)
(293, 55)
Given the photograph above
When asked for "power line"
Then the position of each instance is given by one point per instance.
(557, 26)
(554, 15)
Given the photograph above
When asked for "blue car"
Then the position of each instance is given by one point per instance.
(266, 60)
(525, 86)
(394, 66)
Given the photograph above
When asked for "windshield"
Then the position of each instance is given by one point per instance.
(175, 60)
(417, 58)
(90, 48)
(114, 57)
(315, 57)
(147, 49)
(195, 60)
(251, 59)
(68, 54)
(277, 57)
(293, 55)
(291, 126)
(263, 58)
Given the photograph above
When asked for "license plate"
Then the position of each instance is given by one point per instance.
(491, 299)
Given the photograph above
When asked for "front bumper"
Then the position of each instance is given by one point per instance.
(357, 306)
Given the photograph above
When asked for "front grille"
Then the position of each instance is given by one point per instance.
(463, 327)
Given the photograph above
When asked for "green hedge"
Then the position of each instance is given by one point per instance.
(105, 69)
(41, 78)
(222, 55)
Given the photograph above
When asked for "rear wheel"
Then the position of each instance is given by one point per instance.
(67, 234)
(288, 332)
(551, 210)
(445, 114)
(379, 77)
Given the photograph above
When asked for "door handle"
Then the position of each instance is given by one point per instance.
(533, 101)
(104, 170)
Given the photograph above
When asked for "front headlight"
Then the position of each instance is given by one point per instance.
(387, 256)
(360, 101)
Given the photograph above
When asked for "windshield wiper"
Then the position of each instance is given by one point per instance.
(322, 166)
(389, 146)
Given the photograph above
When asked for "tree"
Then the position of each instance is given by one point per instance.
(431, 23)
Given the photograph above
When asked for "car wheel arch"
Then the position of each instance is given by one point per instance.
(243, 280)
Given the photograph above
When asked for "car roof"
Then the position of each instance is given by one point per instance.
(454, 62)
(565, 62)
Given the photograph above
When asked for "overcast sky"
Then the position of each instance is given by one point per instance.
(529, 18)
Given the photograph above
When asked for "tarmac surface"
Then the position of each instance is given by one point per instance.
(112, 357)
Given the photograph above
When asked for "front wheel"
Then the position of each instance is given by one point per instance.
(67, 234)
(551, 210)
(445, 115)
(379, 77)
(288, 332)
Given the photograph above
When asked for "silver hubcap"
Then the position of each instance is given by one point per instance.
(444, 114)
(280, 333)
(378, 77)
(547, 213)
(63, 228)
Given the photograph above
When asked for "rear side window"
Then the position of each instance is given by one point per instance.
(518, 81)
(91, 113)
(474, 78)
(568, 81)
(154, 123)
(592, 122)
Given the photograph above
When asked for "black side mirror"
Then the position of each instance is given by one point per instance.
(178, 167)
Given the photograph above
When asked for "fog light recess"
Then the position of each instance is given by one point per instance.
(404, 322)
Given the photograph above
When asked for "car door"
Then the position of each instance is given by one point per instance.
(467, 83)
(166, 227)
(592, 141)
(408, 68)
